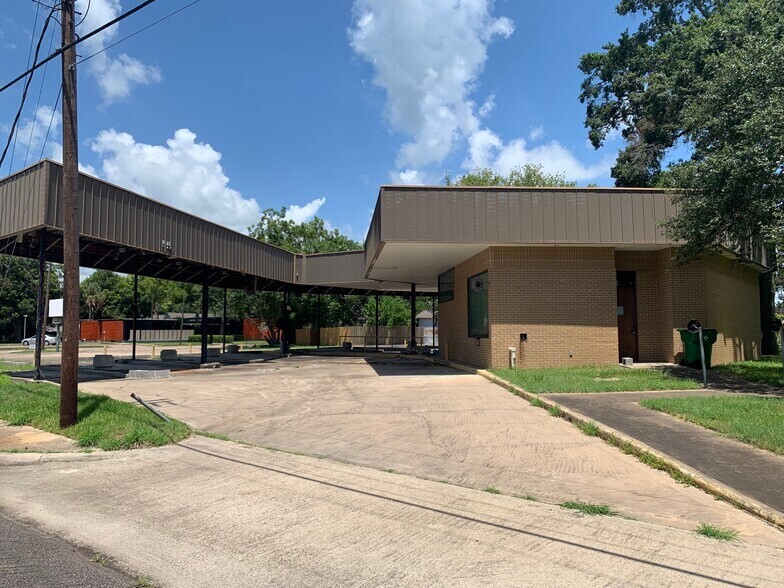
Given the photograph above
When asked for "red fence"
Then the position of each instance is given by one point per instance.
(108, 330)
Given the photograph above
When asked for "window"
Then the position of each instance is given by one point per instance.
(446, 286)
(478, 323)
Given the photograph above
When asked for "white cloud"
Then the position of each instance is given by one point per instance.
(488, 106)
(408, 176)
(116, 77)
(184, 173)
(302, 214)
(552, 156)
(536, 134)
(32, 132)
(428, 57)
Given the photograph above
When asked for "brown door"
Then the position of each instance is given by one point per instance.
(627, 315)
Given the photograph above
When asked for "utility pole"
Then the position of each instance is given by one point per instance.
(69, 370)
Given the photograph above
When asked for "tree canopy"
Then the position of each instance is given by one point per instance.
(526, 175)
(704, 79)
(19, 293)
(312, 236)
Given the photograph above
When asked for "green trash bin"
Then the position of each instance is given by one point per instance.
(691, 347)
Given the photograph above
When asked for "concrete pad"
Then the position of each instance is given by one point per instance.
(426, 420)
(26, 438)
(211, 513)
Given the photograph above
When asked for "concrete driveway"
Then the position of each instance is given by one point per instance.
(428, 421)
(206, 513)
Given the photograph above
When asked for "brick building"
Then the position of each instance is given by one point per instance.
(569, 276)
(564, 276)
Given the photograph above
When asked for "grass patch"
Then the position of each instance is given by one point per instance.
(589, 508)
(104, 423)
(590, 428)
(593, 379)
(492, 490)
(767, 370)
(754, 420)
(100, 559)
(718, 533)
(219, 436)
(15, 367)
(555, 411)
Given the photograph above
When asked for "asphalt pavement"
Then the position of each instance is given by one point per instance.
(30, 558)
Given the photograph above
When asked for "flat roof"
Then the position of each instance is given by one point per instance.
(416, 232)
(127, 232)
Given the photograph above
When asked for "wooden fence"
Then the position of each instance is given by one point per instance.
(360, 336)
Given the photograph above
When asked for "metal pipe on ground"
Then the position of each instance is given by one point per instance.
(150, 408)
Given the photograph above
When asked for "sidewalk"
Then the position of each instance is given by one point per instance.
(213, 513)
(751, 471)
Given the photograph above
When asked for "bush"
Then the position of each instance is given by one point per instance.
(216, 338)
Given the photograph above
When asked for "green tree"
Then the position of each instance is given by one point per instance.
(308, 237)
(19, 292)
(394, 310)
(526, 175)
(704, 77)
(707, 76)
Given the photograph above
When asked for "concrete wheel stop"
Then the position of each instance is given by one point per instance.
(148, 374)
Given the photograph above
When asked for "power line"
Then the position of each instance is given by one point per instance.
(26, 88)
(37, 104)
(139, 31)
(64, 48)
(29, 55)
(28, 199)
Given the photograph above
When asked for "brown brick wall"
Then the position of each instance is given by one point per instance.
(654, 291)
(733, 308)
(453, 317)
(722, 295)
(563, 298)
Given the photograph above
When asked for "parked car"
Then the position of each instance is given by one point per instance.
(49, 339)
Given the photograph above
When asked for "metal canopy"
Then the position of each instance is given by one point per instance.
(126, 232)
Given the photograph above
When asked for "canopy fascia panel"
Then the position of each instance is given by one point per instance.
(127, 232)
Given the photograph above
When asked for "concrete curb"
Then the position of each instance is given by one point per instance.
(641, 450)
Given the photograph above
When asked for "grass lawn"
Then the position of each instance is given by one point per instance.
(767, 370)
(593, 379)
(103, 422)
(15, 367)
(754, 420)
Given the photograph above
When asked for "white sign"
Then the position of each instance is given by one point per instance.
(56, 308)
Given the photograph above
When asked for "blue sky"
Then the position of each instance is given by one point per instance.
(229, 108)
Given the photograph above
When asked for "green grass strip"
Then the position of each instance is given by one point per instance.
(593, 379)
(768, 370)
(757, 421)
(589, 508)
(104, 423)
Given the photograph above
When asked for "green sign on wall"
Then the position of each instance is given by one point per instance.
(478, 323)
